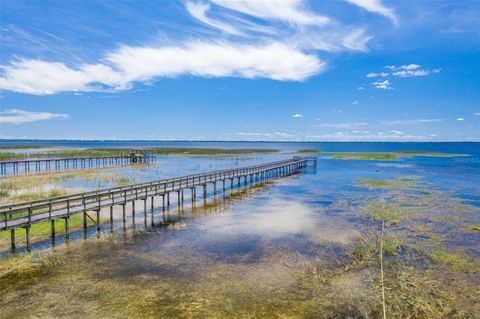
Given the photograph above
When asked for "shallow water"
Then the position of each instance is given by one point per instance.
(274, 250)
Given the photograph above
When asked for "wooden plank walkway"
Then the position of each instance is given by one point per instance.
(8, 168)
(26, 214)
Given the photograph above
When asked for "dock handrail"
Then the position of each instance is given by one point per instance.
(112, 193)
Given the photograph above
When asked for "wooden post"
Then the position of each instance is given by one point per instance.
(153, 215)
(52, 230)
(145, 211)
(12, 238)
(67, 228)
(124, 219)
(29, 243)
(98, 220)
(133, 212)
(111, 214)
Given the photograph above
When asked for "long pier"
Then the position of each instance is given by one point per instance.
(24, 215)
(56, 164)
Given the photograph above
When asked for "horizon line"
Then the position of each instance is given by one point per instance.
(229, 141)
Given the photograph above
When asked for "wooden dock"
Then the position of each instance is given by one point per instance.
(9, 168)
(23, 215)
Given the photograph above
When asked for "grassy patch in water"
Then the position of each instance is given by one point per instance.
(457, 261)
(43, 229)
(366, 156)
(402, 182)
(426, 154)
(375, 156)
(29, 264)
(21, 147)
(7, 156)
(162, 151)
(474, 228)
(27, 188)
(307, 151)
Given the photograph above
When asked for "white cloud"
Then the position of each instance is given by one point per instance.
(17, 116)
(385, 85)
(374, 75)
(356, 40)
(476, 113)
(359, 136)
(198, 11)
(376, 6)
(126, 65)
(297, 116)
(355, 102)
(286, 50)
(411, 122)
(410, 67)
(408, 74)
(292, 11)
(347, 134)
(360, 88)
(460, 119)
(342, 125)
(406, 71)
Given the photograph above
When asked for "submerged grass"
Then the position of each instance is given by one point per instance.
(402, 182)
(27, 188)
(474, 228)
(457, 261)
(42, 231)
(383, 274)
(27, 265)
(417, 273)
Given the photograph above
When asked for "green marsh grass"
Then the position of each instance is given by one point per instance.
(161, 151)
(374, 156)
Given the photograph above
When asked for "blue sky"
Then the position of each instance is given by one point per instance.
(349, 70)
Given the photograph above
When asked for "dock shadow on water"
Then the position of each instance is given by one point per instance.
(306, 246)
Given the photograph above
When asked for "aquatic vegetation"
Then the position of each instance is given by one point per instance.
(21, 147)
(366, 156)
(375, 156)
(381, 211)
(456, 260)
(42, 231)
(27, 265)
(307, 151)
(474, 228)
(27, 188)
(402, 182)
(426, 154)
(7, 156)
(36, 195)
(161, 151)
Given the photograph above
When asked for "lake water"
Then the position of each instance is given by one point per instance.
(288, 248)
